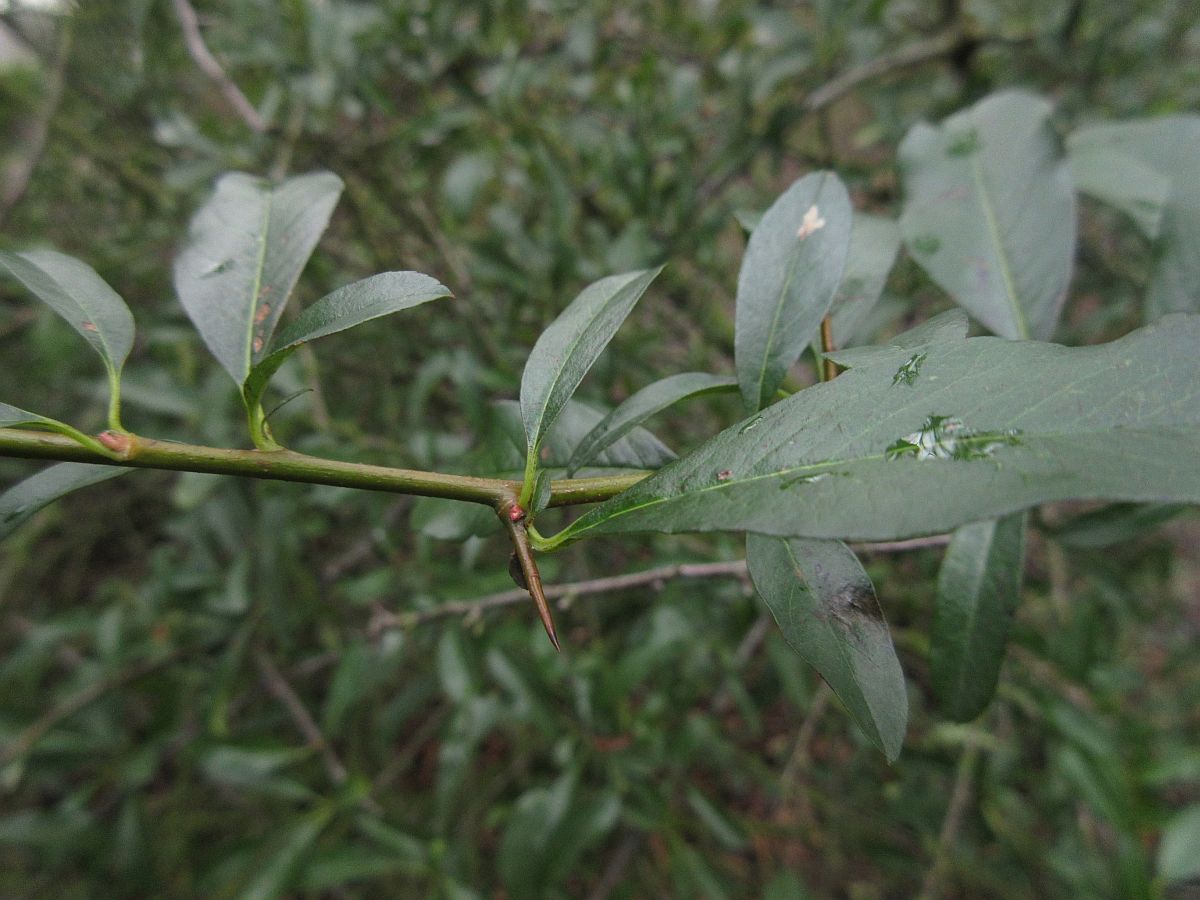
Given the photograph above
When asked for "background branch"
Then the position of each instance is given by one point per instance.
(207, 63)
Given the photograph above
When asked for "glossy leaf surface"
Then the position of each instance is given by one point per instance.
(651, 399)
(827, 610)
(789, 275)
(978, 588)
(245, 250)
(1033, 423)
(989, 212)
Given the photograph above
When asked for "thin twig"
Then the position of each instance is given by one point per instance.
(307, 726)
(207, 63)
(473, 609)
(930, 48)
(621, 858)
(19, 172)
(804, 737)
(960, 797)
(829, 368)
(29, 738)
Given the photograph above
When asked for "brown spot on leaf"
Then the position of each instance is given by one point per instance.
(257, 344)
(260, 316)
(724, 475)
(90, 326)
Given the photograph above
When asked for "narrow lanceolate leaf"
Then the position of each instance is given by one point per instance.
(874, 241)
(827, 610)
(246, 248)
(790, 273)
(986, 427)
(651, 399)
(990, 212)
(26, 497)
(1167, 147)
(371, 298)
(638, 449)
(73, 290)
(905, 347)
(14, 417)
(566, 350)
(978, 588)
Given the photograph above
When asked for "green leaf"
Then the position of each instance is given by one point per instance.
(1120, 181)
(638, 449)
(990, 212)
(362, 301)
(948, 326)
(1117, 523)
(276, 873)
(995, 426)
(790, 273)
(1179, 850)
(73, 290)
(978, 588)
(26, 497)
(874, 241)
(652, 399)
(246, 248)
(15, 417)
(826, 608)
(566, 350)
(1167, 147)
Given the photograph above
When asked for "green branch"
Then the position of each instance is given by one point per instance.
(286, 465)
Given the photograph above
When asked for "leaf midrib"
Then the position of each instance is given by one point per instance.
(572, 533)
(993, 226)
(983, 561)
(532, 442)
(793, 263)
(259, 266)
(840, 646)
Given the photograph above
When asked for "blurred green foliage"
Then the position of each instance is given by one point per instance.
(199, 695)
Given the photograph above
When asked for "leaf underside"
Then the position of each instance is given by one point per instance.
(826, 607)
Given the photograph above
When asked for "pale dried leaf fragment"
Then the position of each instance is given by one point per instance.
(812, 222)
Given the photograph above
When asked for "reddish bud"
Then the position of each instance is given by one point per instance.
(516, 513)
(114, 441)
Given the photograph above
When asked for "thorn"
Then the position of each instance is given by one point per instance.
(524, 571)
